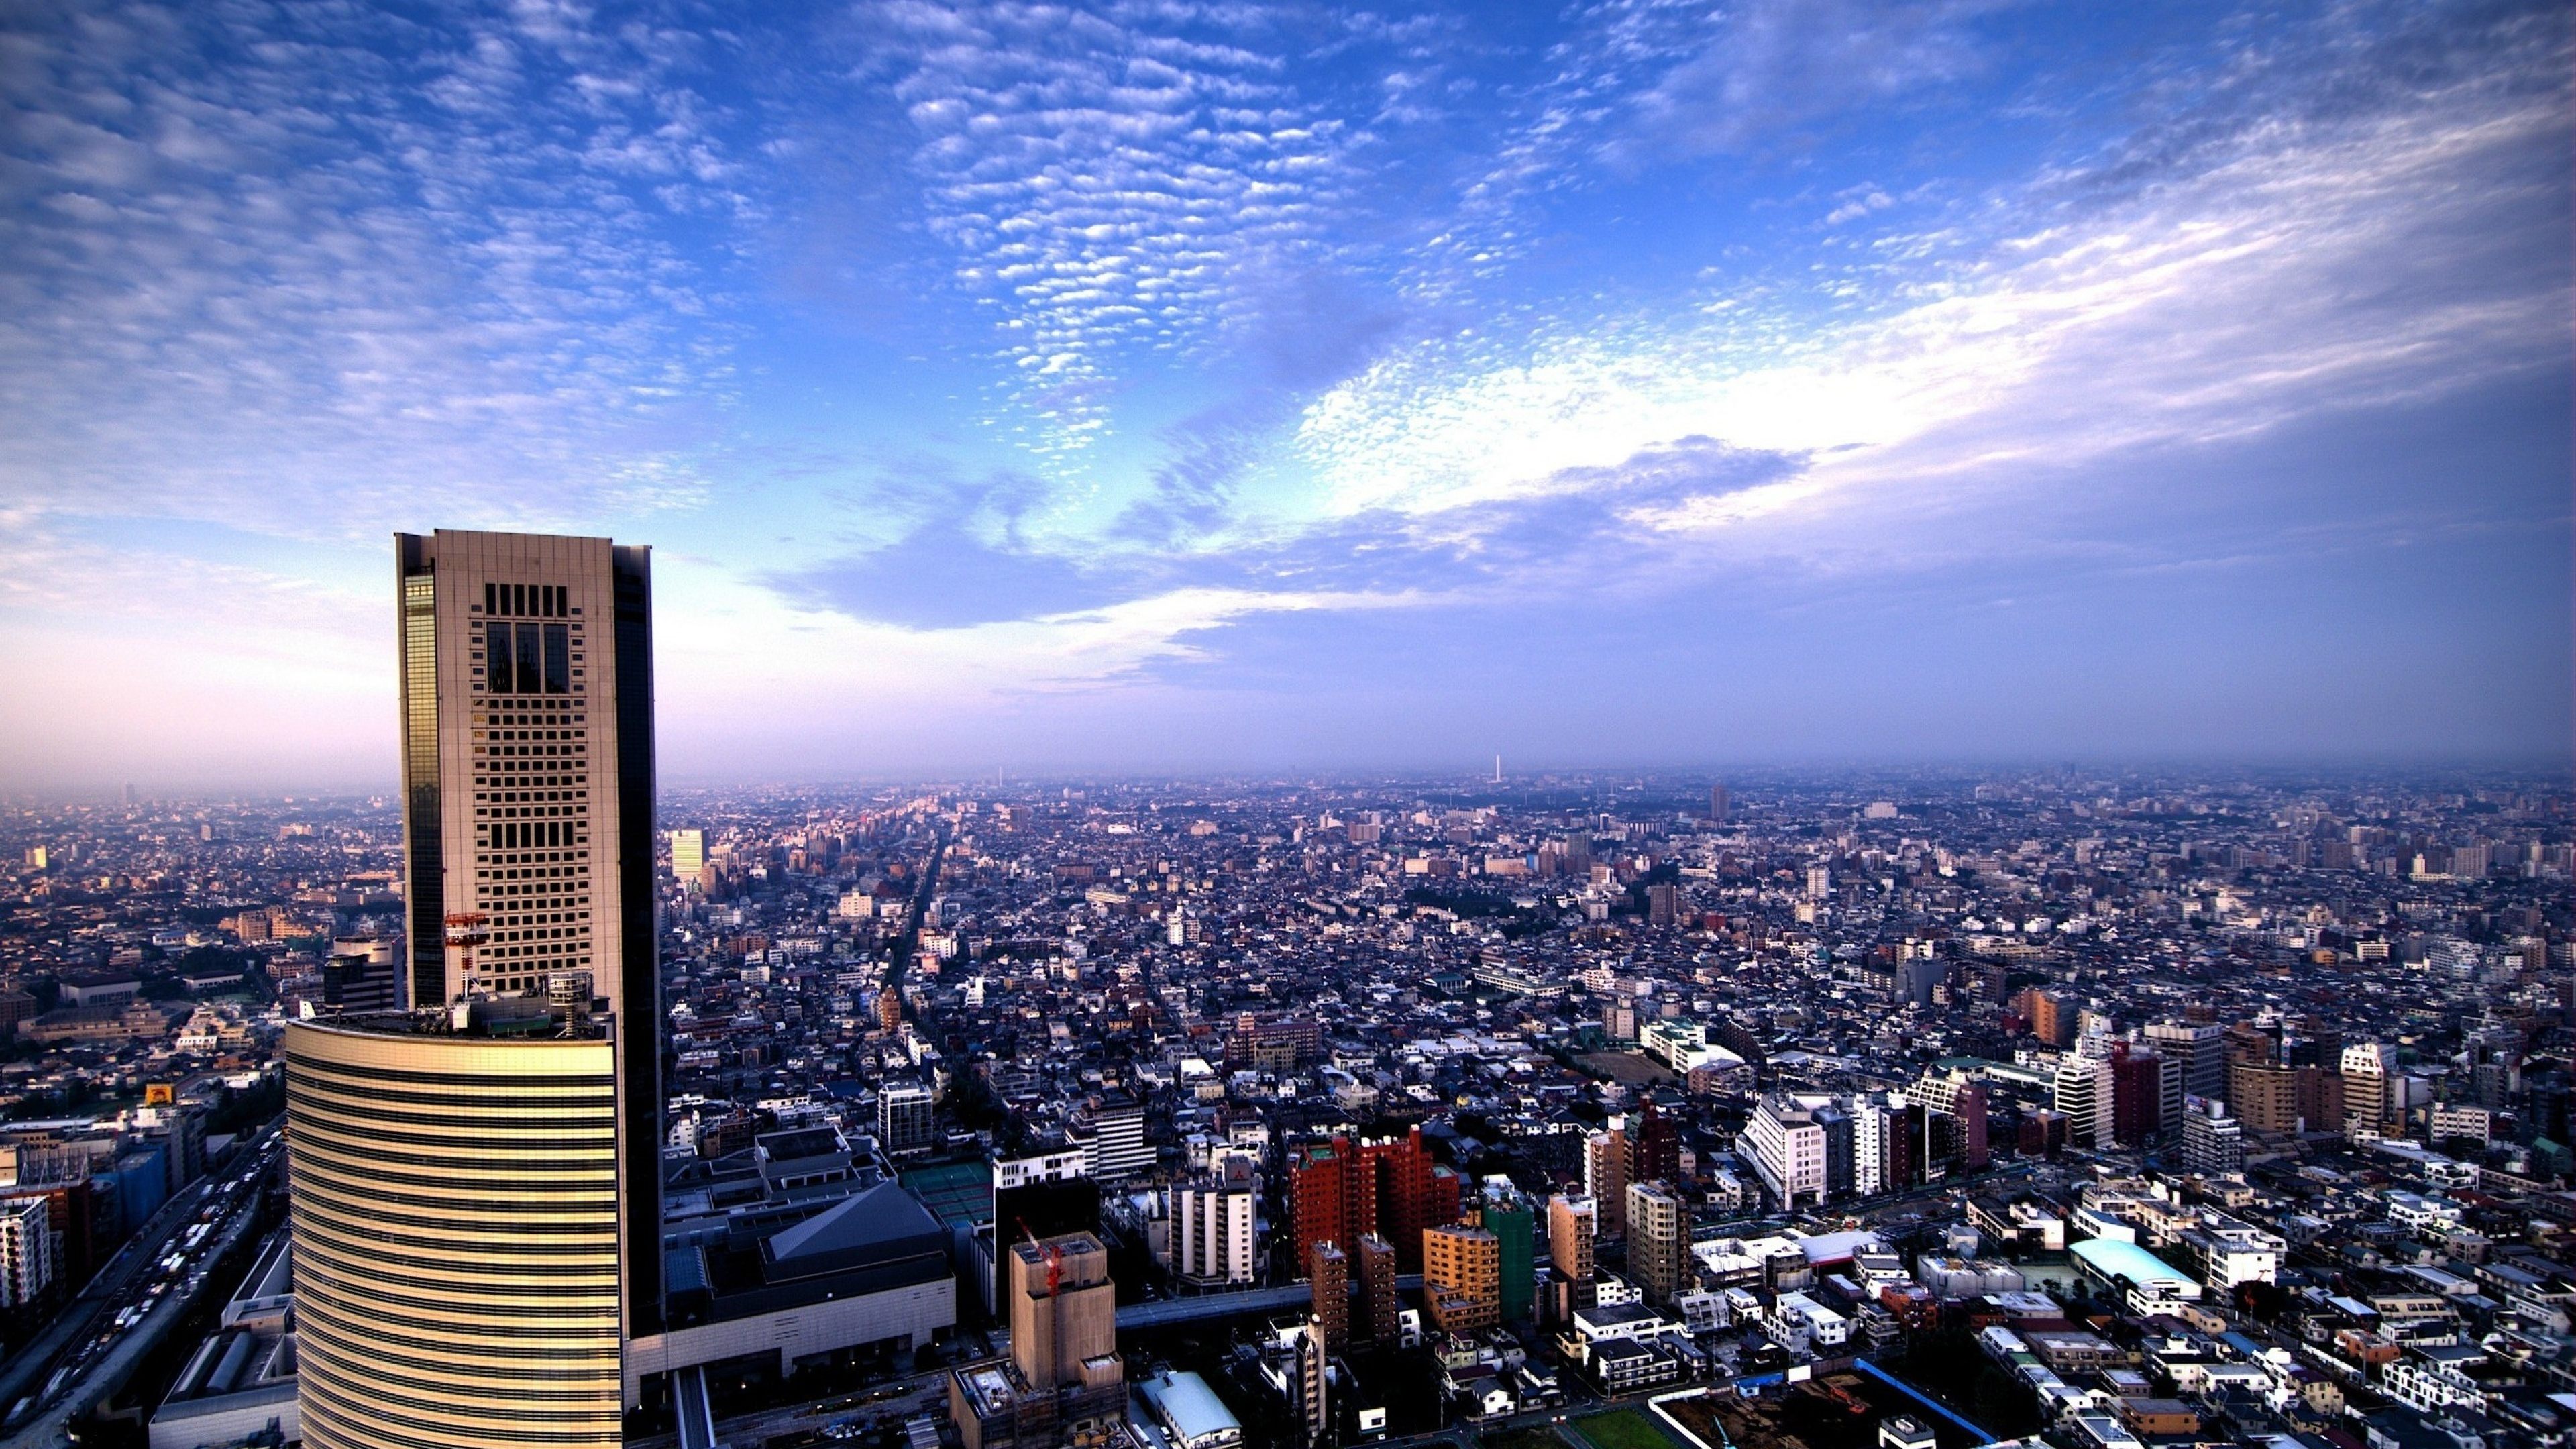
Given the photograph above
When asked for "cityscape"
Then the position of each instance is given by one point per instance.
(1287, 724)
(2061, 1105)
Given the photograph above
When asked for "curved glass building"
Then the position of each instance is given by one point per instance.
(456, 1235)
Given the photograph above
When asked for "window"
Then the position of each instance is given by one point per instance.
(498, 646)
(558, 660)
(530, 667)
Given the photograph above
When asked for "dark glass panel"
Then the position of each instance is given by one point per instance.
(531, 666)
(497, 660)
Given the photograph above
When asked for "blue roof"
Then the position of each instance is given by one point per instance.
(2115, 1259)
(1188, 1404)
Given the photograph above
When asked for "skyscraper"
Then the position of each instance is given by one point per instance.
(477, 1185)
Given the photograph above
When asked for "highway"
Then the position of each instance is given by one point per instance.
(129, 1304)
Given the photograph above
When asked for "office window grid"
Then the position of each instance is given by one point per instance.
(532, 778)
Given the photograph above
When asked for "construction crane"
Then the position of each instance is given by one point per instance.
(1054, 1256)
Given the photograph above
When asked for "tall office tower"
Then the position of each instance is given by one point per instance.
(1212, 1233)
(477, 1185)
(527, 722)
(1462, 1278)
(1658, 1242)
(1377, 1290)
(1569, 1254)
(1605, 1175)
(688, 855)
(1717, 803)
(2201, 1052)
(1328, 1286)
(2083, 1092)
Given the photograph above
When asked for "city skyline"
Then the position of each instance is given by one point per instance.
(1289, 387)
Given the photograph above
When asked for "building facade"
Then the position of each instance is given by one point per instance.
(1212, 1233)
(525, 673)
(458, 1239)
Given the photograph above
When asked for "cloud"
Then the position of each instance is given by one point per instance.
(943, 577)
(1114, 184)
(2329, 261)
(1764, 74)
(282, 264)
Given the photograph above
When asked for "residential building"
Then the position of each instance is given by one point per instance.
(1462, 1282)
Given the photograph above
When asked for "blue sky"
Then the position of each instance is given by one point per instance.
(1181, 386)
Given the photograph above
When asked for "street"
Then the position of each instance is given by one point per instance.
(132, 1301)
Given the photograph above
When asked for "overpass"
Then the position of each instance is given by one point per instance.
(1242, 1302)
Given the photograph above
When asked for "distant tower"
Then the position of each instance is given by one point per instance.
(1315, 1384)
(1498, 769)
(1717, 803)
(1330, 1283)
(1377, 1287)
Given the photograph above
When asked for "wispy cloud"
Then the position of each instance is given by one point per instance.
(290, 263)
(1116, 183)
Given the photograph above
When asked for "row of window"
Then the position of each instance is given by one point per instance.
(530, 835)
(544, 601)
(528, 658)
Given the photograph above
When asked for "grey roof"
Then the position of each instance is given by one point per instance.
(883, 1222)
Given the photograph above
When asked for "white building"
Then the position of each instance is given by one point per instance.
(1804, 1326)
(1786, 1145)
(1063, 1166)
(1189, 1411)
(905, 1119)
(1117, 1143)
(1212, 1233)
(2083, 1091)
(27, 1262)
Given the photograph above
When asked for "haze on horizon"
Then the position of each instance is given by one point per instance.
(1185, 388)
